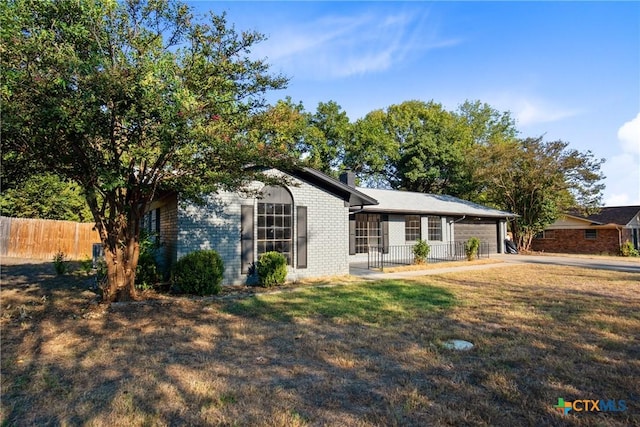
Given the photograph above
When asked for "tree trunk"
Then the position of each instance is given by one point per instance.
(121, 273)
(121, 253)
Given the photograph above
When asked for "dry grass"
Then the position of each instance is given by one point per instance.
(540, 333)
(439, 265)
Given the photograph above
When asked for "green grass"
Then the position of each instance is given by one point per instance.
(377, 303)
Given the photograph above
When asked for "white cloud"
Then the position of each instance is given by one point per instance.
(629, 135)
(530, 110)
(623, 170)
(342, 46)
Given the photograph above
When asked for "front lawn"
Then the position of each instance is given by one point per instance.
(360, 354)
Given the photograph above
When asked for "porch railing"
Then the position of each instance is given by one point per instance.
(378, 257)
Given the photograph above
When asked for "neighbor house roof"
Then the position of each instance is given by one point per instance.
(621, 215)
(421, 203)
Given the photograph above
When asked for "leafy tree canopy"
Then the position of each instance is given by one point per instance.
(538, 180)
(45, 196)
(127, 98)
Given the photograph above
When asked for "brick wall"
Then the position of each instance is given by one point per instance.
(217, 226)
(573, 241)
(168, 206)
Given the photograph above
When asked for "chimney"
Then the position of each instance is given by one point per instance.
(348, 178)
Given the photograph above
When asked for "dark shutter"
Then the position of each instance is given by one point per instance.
(157, 230)
(246, 237)
(352, 234)
(301, 229)
(385, 234)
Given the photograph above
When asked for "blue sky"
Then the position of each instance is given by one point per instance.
(568, 70)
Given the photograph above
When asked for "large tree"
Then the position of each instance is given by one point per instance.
(129, 97)
(46, 196)
(415, 146)
(538, 180)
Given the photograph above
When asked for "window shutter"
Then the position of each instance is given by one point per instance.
(352, 234)
(301, 230)
(246, 237)
(157, 230)
(385, 234)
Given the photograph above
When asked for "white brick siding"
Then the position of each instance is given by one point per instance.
(217, 226)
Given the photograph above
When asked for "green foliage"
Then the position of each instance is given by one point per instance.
(415, 146)
(126, 97)
(421, 251)
(199, 273)
(329, 132)
(271, 269)
(471, 247)
(538, 181)
(60, 263)
(147, 269)
(86, 265)
(628, 250)
(45, 196)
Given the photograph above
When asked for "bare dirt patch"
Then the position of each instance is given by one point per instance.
(540, 333)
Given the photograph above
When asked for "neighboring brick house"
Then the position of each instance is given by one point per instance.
(601, 233)
(314, 223)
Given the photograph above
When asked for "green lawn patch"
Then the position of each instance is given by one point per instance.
(374, 303)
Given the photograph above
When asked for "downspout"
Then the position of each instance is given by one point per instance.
(453, 222)
(451, 230)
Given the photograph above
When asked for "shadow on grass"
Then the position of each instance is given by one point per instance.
(197, 362)
(371, 303)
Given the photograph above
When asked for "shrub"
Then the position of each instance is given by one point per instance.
(471, 248)
(271, 269)
(199, 273)
(60, 263)
(628, 250)
(147, 270)
(86, 265)
(421, 251)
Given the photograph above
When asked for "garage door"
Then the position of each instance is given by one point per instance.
(485, 230)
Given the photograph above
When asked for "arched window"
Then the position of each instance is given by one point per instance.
(275, 222)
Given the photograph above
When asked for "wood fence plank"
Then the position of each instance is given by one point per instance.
(42, 238)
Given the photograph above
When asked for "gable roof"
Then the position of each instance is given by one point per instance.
(349, 194)
(621, 215)
(423, 203)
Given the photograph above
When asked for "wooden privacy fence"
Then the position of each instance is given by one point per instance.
(42, 238)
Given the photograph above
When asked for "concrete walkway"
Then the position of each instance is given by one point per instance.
(506, 260)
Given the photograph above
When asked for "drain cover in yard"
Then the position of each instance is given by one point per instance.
(458, 345)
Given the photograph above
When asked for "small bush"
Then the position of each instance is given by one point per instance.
(421, 251)
(86, 265)
(628, 250)
(147, 270)
(471, 248)
(199, 273)
(271, 269)
(60, 263)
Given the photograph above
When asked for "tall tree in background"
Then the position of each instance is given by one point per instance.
(373, 151)
(538, 181)
(45, 196)
(487, 127)
(432, 143)
(414, 146)
(125, 98)
(328, 133)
